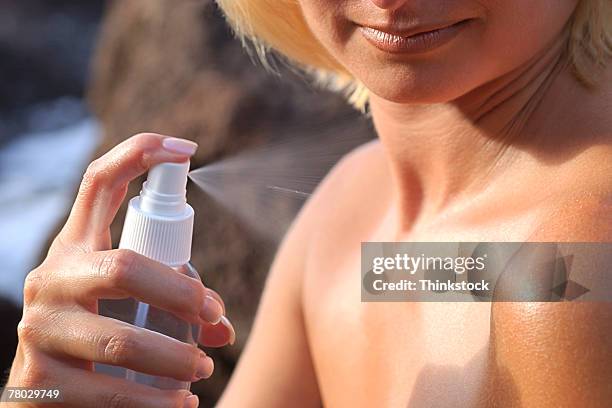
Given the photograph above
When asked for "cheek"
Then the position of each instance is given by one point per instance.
(517, 30)
(327, 23)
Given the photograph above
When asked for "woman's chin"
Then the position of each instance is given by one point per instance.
(408, 85)
(422, 93)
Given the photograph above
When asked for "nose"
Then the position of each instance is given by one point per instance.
(389, 4)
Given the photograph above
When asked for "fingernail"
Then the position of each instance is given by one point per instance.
(225, 321)
(211, 310)
(180, 146)
(191, 401)
(205, 367)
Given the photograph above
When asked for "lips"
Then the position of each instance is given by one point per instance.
(414, 40)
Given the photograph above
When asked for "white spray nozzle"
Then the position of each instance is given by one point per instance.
(169, 178)
(164, 192)
(159, 222)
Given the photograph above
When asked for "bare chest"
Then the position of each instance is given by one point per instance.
(391, 354)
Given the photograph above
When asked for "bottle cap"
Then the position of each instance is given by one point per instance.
(159, 222)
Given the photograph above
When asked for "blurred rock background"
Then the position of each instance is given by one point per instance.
(45, 48)
(173, 67)
(46, 133)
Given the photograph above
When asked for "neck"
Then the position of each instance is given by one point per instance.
(441, 154)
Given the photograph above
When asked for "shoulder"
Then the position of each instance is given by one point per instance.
(323, 214)
(586, 216)
(364, 163)
(582, 212)
(552, 354)
(558, 353)
(353, 183)
(344, 199)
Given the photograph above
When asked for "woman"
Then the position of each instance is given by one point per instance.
(494, 125)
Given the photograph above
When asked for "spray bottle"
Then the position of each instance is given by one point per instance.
(158, 225)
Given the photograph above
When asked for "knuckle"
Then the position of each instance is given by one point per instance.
(32, 286)
(143, 142)
(93, 176)
(117, 266)
(143, 139)
(28, 327)
(34, 375)
(60, 246)
(177, 402)
(193, 359)
(118, 348)
(175, 399)
(194, 299)
(119, 400)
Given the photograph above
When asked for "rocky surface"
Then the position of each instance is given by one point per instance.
(173, 67)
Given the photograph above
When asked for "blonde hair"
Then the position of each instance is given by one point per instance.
(279, 25)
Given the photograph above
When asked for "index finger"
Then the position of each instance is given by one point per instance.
(105, 183)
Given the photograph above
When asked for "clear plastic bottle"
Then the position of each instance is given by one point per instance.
(159, 225)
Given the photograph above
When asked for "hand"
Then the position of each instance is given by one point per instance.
(61, 334)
